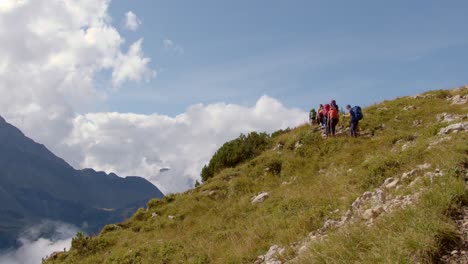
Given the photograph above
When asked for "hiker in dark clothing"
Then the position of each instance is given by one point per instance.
(333, 104)
(356, 115)
(312, 116)
(320, 116)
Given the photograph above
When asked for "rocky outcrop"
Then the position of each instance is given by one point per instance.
(445, 117)
(260, 197)
(454, 128)
(410, 107)
(458, 99)
(367, 208)
(271, 256)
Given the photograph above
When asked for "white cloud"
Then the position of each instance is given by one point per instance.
(34, 247)
(50, 54)
(169, 45)
(132, 66)
(132, 22)
(132, 144)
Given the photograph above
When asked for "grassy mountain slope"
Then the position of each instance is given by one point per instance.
(309, 180)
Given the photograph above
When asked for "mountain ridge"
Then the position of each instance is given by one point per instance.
(36, 184)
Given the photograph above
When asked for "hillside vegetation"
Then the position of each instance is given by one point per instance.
(385, 197)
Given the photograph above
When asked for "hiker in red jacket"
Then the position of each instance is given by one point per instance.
(326, 109)
(333, 118)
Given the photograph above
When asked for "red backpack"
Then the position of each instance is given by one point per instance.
(333, 113)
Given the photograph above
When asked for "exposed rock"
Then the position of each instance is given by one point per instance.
(171, 217)
(379, 197)
(271, 256)
(331, 224)
(445, 117)
(368, 207)
(391, 183)
(298, 145)
(408, 174)
(458, 99)
(424, 166)
(454, 128)
(260, 198)
(431, 175)
(410, 107)
(278, 147)
(373, 213)
(154, 215)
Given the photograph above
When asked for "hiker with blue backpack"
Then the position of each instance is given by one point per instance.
(356, 115)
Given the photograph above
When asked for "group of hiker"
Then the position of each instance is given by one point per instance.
(327, 116)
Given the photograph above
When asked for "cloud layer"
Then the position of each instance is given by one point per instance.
(50, 64)
(50, 54)
(146, 145)
(34, 247)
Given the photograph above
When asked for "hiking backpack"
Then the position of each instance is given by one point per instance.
(333, 113)
(357, 113)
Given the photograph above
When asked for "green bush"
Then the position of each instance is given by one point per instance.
(235, 152)
(85, 245)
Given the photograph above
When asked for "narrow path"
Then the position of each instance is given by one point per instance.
(459, 254)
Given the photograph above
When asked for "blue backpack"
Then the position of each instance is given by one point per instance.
(357, 113)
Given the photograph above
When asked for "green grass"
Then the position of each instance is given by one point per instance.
(216, 222)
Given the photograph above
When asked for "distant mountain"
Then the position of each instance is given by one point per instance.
(35, 185)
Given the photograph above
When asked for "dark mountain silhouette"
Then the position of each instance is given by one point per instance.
(35, 185)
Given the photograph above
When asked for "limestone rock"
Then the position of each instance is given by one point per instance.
(271, 256)
(410, 107)
(391, 183)
(424, 166)
(454, 128)
(408, 174)
(260, 198)
(445, 117)
(458, 99)
(278, 147)
(298, 145)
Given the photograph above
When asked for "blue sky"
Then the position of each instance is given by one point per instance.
(300, 52)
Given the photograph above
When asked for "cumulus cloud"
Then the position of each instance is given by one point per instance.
(34, 246)
(132, 66)
(169, 45)
(132, 22)
(50, 54)
(147, 145)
